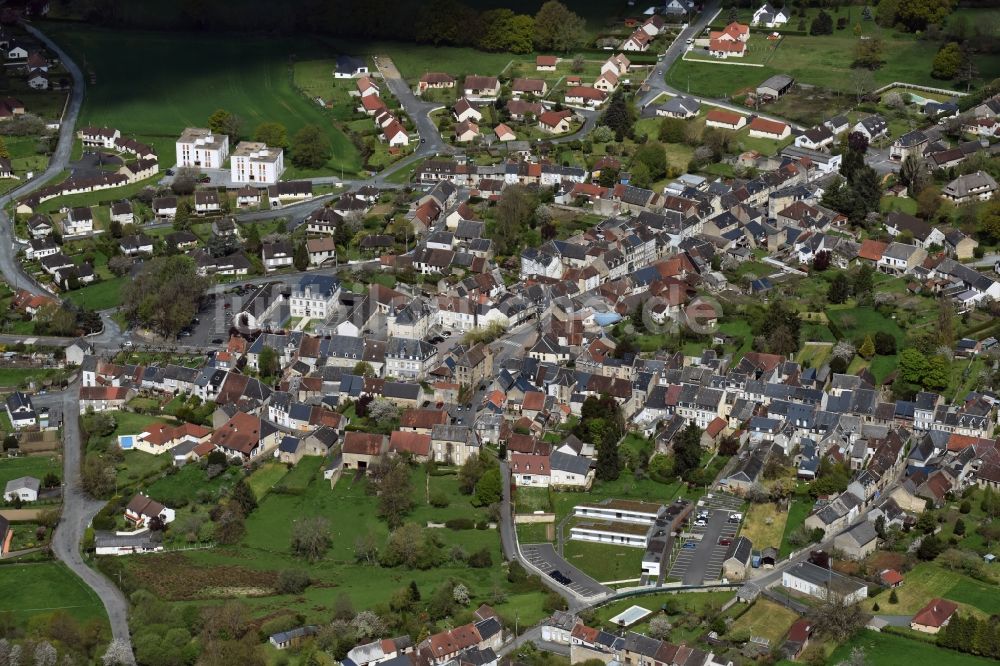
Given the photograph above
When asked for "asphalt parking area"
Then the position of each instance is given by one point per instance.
(546, 559)
(702, 562)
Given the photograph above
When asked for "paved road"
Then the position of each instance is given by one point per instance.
(657, 82)
(9, 265)
(79, 510)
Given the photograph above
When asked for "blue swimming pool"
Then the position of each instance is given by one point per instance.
(125, 441)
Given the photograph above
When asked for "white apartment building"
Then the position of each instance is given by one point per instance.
(254, 162)
(199, 147)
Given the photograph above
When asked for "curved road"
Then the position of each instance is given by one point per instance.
(9, 264)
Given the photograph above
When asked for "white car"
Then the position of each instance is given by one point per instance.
(735, 517)
(701, 522)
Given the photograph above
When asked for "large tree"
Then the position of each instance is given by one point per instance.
(164, 295)
(515, 211)
(503, 30)
(311, 148)
(687, 450)
(273, 134)
(558, 29)
(947, 61)
(311, 538)
(225, 122)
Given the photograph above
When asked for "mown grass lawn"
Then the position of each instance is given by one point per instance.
(31, 589)
(530, 500)
(603, 562)
(686, 603)
(764, 525)
(883, 649)
(766, 619)
(36, 466)
(858, 322)
(266, 477)
(186, 77)
(102, 295)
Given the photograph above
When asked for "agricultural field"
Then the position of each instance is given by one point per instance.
(248, 76)
(764, 525)
(30, 589)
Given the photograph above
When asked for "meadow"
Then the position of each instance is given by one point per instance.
(182, 78)
(823, 61)
(249, 568)
(884, 649)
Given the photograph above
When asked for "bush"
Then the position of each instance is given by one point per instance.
(965, 507)
(460, 524)
(439, 500)
(292, 581)
(481, 559)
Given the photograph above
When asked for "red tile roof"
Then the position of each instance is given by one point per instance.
(723, 116)
(935, 613)
(546, 61)
(769, 126)
(526, 463)
(891, 577)
(363, 444)
(416, 443)
(872, 249)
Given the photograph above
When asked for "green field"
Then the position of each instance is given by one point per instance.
(262, 480)
(798, 511)
(765, 618)
(883, 649)
(861, 321)
(174, 489)
(17, 376)
(350, 508)
(36, 466)
(101, 295)
(603, 562)
(185, 77)
(31, 589)
(928, 580)
(822, 61)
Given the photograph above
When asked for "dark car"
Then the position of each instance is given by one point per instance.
(170, 172)
(560, 577)
(217, 341)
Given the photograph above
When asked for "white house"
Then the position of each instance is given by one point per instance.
(40, 247)
(21, 411)
(817, 582)
(762, 128)
(769, 17)
(315, 296)
(638, 41)
(79, 220)
(255, 162)
(529, 470)
(872, 127)
(725, 119)
(278, 254)
(349, 67)
(24, 488)
(201, 148)
(570, 470)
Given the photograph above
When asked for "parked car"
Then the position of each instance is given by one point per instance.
(689, 545)
(725, 542)
(735, 517)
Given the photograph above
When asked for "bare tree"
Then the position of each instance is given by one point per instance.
(862, 80)
(311, 538)
(836, 619)
(659, 627)
(368, 624)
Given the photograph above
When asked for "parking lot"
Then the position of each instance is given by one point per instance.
(701, 555)
(546, 559)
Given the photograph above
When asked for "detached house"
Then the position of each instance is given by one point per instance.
(21, 411)
(435, 80)
(637, 41)
(679, 107)
(79, 220)
(725, 119)
(555, 122)
(872, 127)
(978, 186)
(763, 128)
(769, 17)
(911, 143)
(481, 88)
